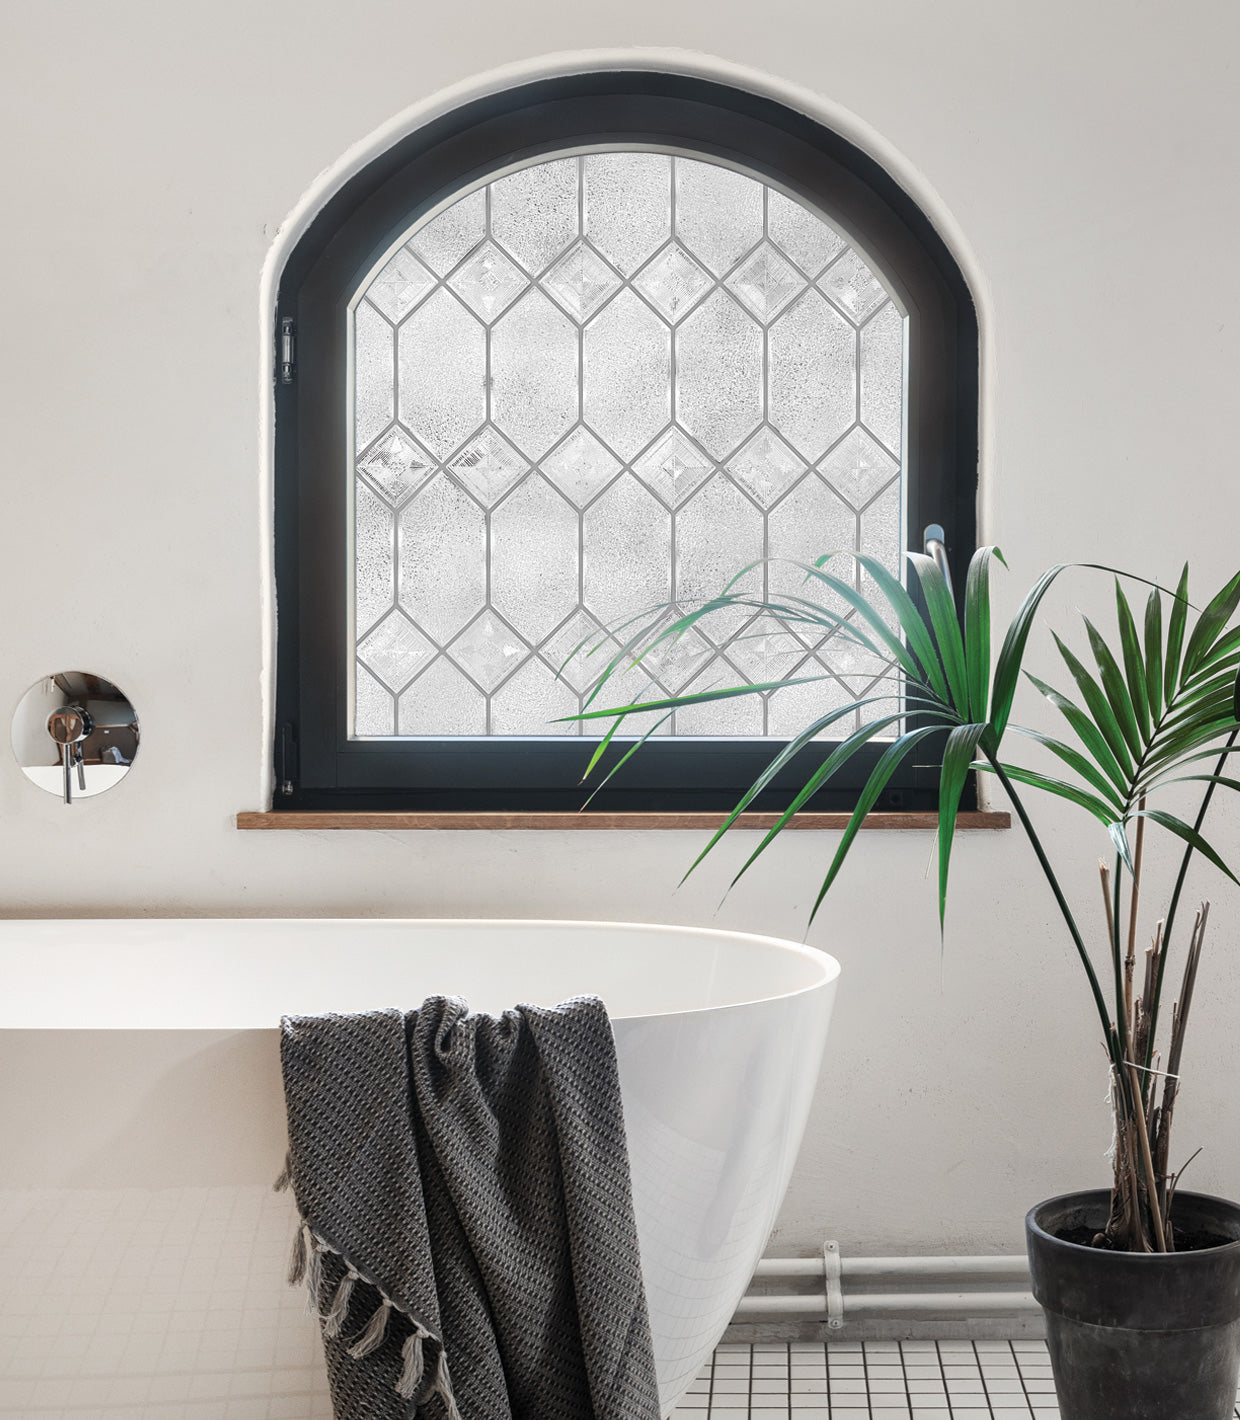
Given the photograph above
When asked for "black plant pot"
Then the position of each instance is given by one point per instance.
(1139, 1336)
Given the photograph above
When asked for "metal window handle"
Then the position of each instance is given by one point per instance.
(69, 727)
(936, 547)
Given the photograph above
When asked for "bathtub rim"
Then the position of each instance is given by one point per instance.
(826, 966)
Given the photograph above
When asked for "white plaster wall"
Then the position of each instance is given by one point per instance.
(1087, 154)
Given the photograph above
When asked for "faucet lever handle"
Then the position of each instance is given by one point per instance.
(69, 726)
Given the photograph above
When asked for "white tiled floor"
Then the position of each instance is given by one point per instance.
(875, 1380)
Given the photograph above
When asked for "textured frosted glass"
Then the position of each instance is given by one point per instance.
(801, 234)
(719, 375)
(373, 548)
(442, 702)
(374, 352)
(812, 383)
(531, 702)
(534, 212)
(789, 711)
(717, 533)
(534, 374)
(534, 560)
(372, 705)
(455, 232)
(882, 376)
(627, 205)
(718, 213)
(811, 520)
(627, 374)
(627, 553)
(442, 373)
(587, 387)
(443, 559)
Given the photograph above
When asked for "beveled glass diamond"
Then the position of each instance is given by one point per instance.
(858, 467)
(400, 285)
(673, 467)
(488, 466)
(853, 287)
(672, 282)
(766, 282)
(488, 282)
(581, 281)
(580, 467)
(766, 467)
(488, 650)
(674, 663)
(571, 654)
(763, 652)
(396, 465)
(395, 650)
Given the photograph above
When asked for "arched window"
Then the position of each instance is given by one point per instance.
(569, 353)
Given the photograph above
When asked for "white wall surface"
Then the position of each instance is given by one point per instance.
(1084, 157)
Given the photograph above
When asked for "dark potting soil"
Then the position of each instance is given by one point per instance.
(1184, 1241)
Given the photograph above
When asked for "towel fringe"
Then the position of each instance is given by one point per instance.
(286, 1174)
(314, 1275)
(299, 1255)
(442, 1387)
(339, 1309)
(376, 1329)
(411, 1354)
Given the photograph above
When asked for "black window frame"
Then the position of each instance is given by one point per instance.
(317, 766)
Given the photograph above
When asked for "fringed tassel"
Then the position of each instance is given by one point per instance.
(339, 1310)
(376, 1329)
(314, 1276)
(411, 1353)
(299, 1256)
(286, 1175)
(442, 1387)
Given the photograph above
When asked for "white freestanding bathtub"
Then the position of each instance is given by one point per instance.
(141, 1113)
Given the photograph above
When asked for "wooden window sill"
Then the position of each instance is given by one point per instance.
(702, 821)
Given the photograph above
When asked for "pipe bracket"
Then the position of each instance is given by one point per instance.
(831, 1269)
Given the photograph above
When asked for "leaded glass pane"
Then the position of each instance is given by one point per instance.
(596, 384)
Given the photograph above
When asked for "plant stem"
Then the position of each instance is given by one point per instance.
(1179, 884)
(1130, 960)
(1108, 1029)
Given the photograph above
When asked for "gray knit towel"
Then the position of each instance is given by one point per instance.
(463, 1185)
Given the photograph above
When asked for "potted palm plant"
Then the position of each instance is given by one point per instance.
(1141, 1283)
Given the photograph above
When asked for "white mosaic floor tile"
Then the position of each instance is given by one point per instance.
(875, 1380)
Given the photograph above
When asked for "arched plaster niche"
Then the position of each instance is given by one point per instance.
(688, 63)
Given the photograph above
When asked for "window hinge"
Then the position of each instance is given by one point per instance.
(288, 350)
(286, 759)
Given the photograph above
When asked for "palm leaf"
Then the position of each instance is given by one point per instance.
(1210, 623)
(1012, 652)
(1153, 653)
(1086, 731)
(1099, 710)
(946, 628)
(891, 760)
(1104, 812)
(1115, 690)
(957, 757)
(1175, 636)
(1075, 760)
(1189, 835)
(1134, 666)
(977, 630)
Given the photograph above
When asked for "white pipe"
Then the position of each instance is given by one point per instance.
(815, 1304)
(1015, 1266)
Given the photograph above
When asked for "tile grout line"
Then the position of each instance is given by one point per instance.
(1020, 1374)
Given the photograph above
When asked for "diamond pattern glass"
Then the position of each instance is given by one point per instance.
(488, 282)
(673, 282)
(765, 282)
(593, 384)
(581, 281)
